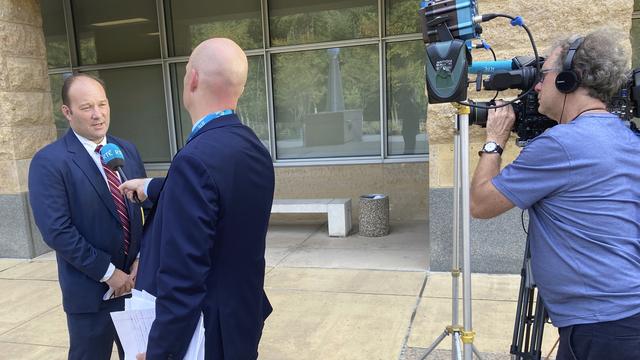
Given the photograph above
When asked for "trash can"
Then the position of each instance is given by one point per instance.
(374, 215)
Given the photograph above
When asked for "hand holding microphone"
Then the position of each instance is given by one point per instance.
(134, 189)
(114, 159)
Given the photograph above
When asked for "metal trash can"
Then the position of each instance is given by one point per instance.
(374, 215)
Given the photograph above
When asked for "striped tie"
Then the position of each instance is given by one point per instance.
(118, 200)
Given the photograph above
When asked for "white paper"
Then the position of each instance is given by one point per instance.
(133, 328)
(134, 324)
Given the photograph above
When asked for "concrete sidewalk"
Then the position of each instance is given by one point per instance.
(333, 298)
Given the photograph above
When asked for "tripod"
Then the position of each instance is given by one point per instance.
(530, 316)
(462, 336)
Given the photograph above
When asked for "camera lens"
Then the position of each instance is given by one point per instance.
(478, 116)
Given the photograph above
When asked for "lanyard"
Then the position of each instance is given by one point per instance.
(207, 119)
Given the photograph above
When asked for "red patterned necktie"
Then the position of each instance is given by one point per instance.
(118, 200)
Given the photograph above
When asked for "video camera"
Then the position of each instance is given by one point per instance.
(448, 26)
(626, 104)
(529, 122)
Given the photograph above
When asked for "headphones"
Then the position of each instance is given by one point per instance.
(568, 80)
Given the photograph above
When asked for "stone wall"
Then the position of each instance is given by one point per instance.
(26, 122)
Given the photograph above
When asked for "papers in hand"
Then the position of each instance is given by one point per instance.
(134, 323)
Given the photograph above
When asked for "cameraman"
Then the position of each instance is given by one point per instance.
(580, 182)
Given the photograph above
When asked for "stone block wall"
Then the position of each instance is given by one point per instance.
(26, 122)
(406, 184)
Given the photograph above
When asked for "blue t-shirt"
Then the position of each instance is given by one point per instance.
(581, 184)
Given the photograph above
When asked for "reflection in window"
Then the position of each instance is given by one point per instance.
(55, 33)
(194, 21)
(62, 124)
(407, 103)
(252, 106)
(402, 17)
(138, 111)
(116, 30)
(327, 103)
(309, 21)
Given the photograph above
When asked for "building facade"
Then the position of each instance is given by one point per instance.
(335, 89)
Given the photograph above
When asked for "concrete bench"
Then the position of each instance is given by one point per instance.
(338, 211)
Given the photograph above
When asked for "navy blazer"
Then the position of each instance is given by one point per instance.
(75, 213)
(203, 247)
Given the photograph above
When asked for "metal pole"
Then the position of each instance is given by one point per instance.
(468, 335)
(462, 337)
(455, 271)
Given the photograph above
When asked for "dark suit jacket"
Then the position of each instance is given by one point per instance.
(75, 213)
(203, 247)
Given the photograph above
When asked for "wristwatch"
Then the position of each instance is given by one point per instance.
(491, 147)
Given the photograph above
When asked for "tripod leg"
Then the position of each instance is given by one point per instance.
(516, 342)
(475, 351)
(538, 330)
(456, 353)
(435, 343)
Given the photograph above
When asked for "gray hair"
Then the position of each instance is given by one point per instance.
(601, 61)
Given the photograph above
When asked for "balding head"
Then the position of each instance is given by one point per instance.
(215, 77)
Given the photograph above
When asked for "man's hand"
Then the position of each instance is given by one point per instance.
(133, 272)
(134, 186)
(120, 283)
(141, 356)
(485, 200)
(499, 124)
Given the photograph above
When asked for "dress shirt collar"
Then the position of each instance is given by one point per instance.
(88, 144)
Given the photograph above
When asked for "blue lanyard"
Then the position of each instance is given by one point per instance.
(207, 119)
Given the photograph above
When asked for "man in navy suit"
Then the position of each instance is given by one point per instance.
(203, 248)
(95, 234)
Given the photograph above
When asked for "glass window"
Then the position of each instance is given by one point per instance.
(116, 30)
(252, 106)
(327, 103)
(407, 103)
(138, 111)
(55, 33)
(193, 21)
(309, 21)
(62, 124)
(402, 17)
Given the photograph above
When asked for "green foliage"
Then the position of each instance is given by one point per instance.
(57, 53)
(246, 32)
(61, 122)
(402, 17)
(252, 106)
(324, 25)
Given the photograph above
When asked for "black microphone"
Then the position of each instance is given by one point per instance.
(114, 159)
